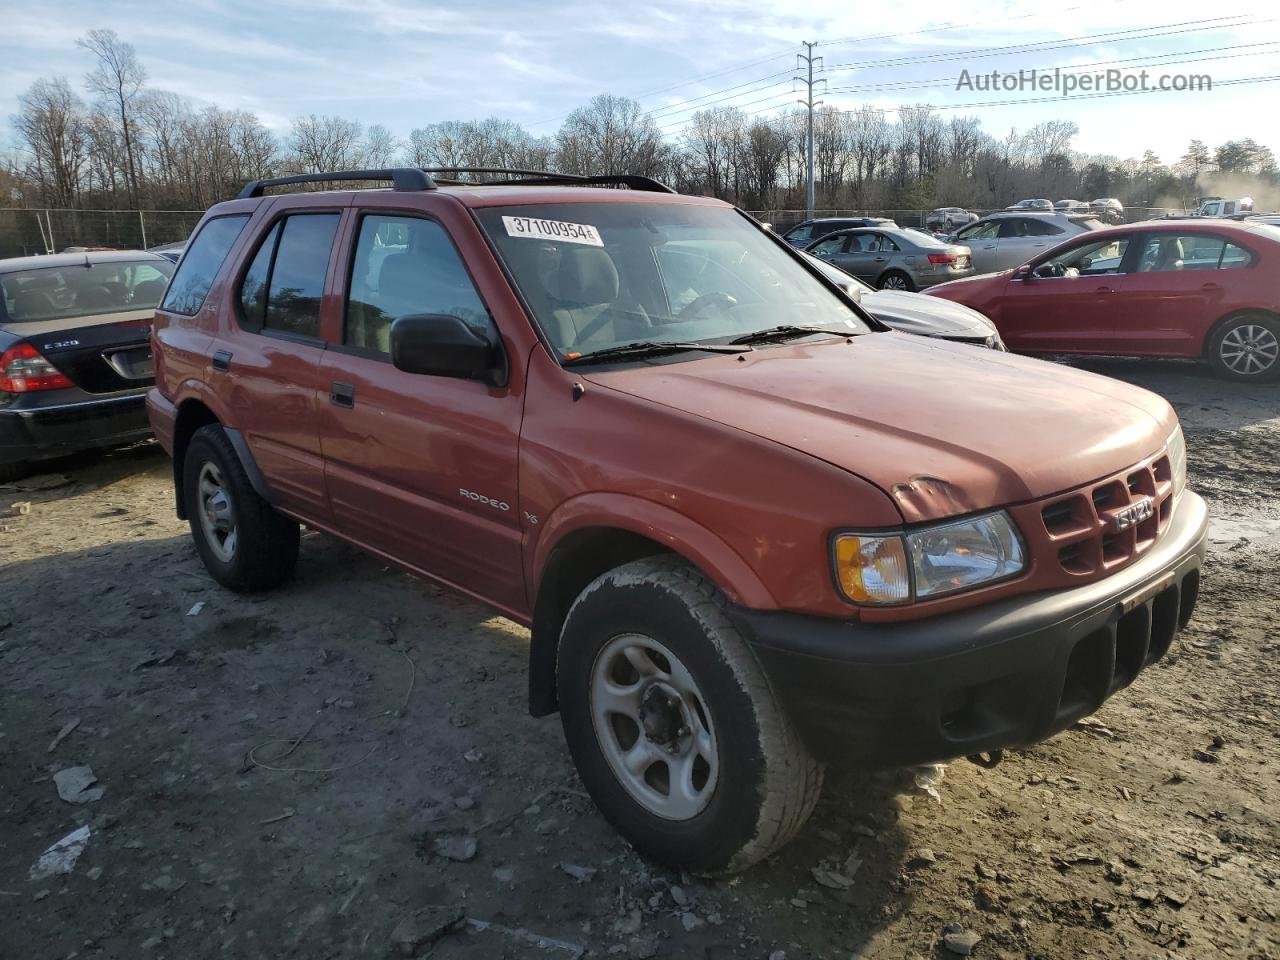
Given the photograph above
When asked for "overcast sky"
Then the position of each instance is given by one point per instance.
(405, 63)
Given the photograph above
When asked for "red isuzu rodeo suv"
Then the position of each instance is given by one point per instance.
(752, 531)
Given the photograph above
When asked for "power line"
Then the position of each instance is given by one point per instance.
(1040, 46)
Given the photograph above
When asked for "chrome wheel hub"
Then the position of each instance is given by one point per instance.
(653, 727)
(217, 515)
(894, 283)
(1249, 349)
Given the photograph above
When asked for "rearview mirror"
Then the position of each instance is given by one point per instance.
(444, 346)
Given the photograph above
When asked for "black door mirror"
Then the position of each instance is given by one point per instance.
(1022, 273)
(444, 346)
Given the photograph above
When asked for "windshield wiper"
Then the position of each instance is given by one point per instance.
(786, 332)
(646, 348)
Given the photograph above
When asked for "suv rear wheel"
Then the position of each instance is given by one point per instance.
(244, 542)
(672, 725)
(1246, 347)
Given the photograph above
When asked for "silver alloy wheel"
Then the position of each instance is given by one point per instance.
(653, 727)
(1249, 349)
(893, 282)
(217, 517)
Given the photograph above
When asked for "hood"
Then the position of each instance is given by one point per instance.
(928, 316)
(942, 428)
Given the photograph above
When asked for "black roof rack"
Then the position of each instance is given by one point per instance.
(526, 178)
(402, 178)
(411, 179)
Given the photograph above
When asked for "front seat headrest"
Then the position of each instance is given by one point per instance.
(581, 276)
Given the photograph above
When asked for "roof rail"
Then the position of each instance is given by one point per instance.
(546, 177)
(402, 178)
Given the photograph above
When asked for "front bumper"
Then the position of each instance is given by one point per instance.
(39, 428)
(1009, 674)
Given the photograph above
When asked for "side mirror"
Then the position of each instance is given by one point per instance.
(768, 226)
(444, 346)
(1022, 273)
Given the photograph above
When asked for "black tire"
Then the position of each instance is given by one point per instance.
(907, 284)
(767, 781)
(265, 550)
(1229, 339)
(13, 471)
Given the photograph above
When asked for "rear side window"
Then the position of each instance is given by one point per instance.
(1042, 228)
(201, 262)
(282, 288)
(1233, 257)
(1165, 252)
(404, 266)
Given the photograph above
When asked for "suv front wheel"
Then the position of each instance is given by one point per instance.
(672, 724)
(244, 542)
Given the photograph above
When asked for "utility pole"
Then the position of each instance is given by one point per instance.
(809, 62)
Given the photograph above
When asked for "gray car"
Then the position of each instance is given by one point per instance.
(1000, 241)
(917, 313)
(947, 219)
(894, 258)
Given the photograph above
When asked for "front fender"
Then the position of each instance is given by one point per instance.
(677, 532)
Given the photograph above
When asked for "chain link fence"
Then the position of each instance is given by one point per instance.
(28, 231)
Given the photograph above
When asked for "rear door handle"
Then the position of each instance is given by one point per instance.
(1211, 286)
(1104, 290)
(222, 361)
(342, 394)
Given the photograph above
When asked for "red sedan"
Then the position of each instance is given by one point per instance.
(1202, 289)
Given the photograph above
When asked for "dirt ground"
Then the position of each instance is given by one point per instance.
(346, 768)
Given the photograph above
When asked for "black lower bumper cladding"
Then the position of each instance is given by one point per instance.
(1004, 675)
(51, 429)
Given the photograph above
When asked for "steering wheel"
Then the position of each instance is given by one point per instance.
(695, 306)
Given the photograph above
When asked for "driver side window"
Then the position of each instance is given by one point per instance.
(827, 247)
(979, 231)
(1094, 259)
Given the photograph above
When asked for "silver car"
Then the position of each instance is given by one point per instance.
(894, 258)
(1000, 241)
(947, 219)
(917, 313)
(1039, 204)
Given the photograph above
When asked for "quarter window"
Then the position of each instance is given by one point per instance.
(200, 264)
(282, 289)
(404, 266)
(1233, 257)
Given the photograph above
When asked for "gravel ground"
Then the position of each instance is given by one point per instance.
(345, 767)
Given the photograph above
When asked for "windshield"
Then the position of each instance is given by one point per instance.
(599, 275)
(77, 290)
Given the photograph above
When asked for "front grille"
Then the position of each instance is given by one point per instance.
(1091, 532)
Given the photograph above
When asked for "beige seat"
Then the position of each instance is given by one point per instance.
(586, 307)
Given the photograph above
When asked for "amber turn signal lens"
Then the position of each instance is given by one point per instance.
(872, 569)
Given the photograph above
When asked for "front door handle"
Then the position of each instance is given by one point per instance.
(222, 361)
(342, 394)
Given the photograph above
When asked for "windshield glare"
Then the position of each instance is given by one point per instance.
(56, 293)
(598, 275)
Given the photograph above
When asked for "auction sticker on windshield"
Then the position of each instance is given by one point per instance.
(536, 229)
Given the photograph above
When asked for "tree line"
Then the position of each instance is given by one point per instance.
(114, 142)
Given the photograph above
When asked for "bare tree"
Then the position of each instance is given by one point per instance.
(117, 79)
(53, 125)
(320, 144)
(609, 135)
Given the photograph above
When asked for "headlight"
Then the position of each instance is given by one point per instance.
(929, 562)
(1177, 448)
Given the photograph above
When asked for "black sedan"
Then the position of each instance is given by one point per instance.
(75, 352)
